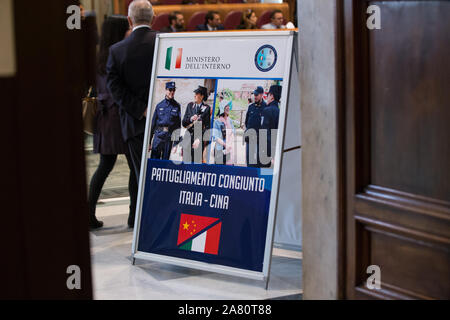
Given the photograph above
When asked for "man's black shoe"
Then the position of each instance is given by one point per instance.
(95, 224)
(131, 221)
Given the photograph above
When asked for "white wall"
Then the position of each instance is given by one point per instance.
(288, 227)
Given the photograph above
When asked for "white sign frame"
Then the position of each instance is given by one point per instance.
(158, 56)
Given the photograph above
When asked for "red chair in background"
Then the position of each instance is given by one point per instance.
(171, 2)
(264, 18)
(128, 4)
(232, 20)
(161, 21)
(196, 19)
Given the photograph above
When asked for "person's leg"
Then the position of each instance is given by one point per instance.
(133, 191)
(135, 146)
(98, 180)
(193, 155)
(167, 150)
(227, 158)
(247, 154)
(218, 157)
(156, 152)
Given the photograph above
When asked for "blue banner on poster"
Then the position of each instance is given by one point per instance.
(210, 213)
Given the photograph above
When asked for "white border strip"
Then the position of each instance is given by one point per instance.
(278, 160)
(200, 265)
(209, 34)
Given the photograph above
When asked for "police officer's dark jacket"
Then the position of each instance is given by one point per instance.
(270, 117)
(204, 111)
(253, 116)
(166, 119)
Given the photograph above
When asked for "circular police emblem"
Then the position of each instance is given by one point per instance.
(266, 58)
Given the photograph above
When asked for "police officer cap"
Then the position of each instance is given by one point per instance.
(258, 90)
(203, 91)
(170, 85)
(275, 90)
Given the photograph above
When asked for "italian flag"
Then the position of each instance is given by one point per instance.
(199, 234)
(169, 58)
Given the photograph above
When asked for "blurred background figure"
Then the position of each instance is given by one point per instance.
(248, 20)
(90, 41)
(212, 22)
(276, 21)
(176, 23)
(108, 139)
(82, 10)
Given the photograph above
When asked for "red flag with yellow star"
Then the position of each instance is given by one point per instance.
(200, 234)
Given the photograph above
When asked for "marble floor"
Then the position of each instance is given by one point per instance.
(115, 278)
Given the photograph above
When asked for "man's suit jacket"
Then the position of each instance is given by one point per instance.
(204, 27)
(129, 70)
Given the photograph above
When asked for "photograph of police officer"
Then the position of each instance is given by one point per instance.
(166, 120)
(252, 128)
(269, 121)
(223, 134)
(197, 121)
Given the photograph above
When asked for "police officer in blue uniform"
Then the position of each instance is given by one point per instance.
(269, 119)
(252, 127)
(166, 119)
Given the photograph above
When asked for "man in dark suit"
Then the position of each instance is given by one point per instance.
(129, 70)
(176, 23)
(212, 22)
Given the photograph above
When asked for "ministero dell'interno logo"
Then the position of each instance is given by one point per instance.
(266, 58)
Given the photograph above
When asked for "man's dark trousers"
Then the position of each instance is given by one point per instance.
(135, 145)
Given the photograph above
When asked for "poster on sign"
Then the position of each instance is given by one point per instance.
(212, 151)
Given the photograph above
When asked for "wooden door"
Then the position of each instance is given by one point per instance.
(395, 95)
(43, 196)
